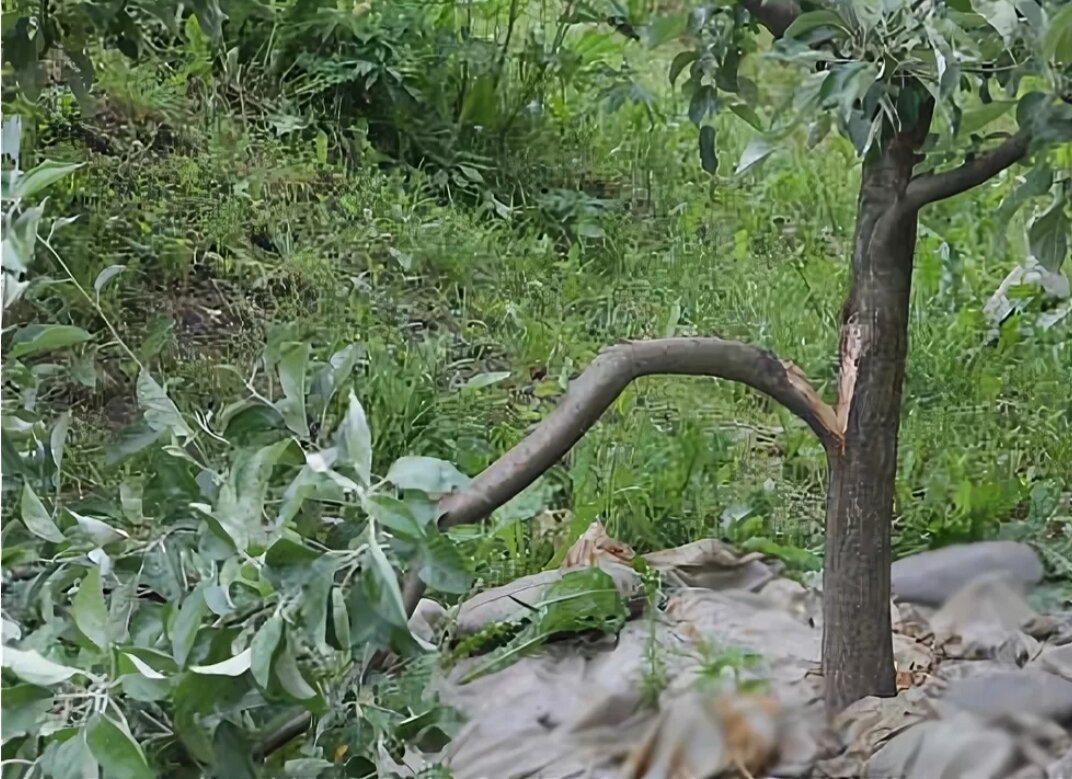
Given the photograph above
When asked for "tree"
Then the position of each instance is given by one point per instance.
(909, 83)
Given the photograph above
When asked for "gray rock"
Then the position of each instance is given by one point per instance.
(932, 577)
(994, 696)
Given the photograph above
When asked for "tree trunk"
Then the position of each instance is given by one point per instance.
(857, 636)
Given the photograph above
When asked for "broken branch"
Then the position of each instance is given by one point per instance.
(604, 380)
(932, 187)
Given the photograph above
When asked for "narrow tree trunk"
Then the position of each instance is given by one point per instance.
(857, 638)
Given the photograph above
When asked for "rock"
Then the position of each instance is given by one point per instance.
(1003, 694)
(946, 749)
(984, 620)
(932, 577)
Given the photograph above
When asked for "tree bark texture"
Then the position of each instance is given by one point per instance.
(857, 638)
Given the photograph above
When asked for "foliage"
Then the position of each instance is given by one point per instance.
(180, 614)
(882, 69)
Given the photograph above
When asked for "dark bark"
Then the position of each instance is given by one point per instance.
(857, 637)
(931, 187)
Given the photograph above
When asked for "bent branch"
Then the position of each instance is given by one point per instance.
(932, 187)
(604, 380)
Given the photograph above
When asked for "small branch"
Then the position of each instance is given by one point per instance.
(932, 187)
(605, 379)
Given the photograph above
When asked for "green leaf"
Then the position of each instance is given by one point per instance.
(98, 532)
(746, 112)
(813, 20)
(41, 176)
(306, 767)
(663, 28)
(480, 106)
(340, 619)
(105, 276)
(240, 506)
(394, 515)
(846, 85)
(56, 441)
(757, 150)
(35, 339)
(442, 566)
(481, 380)
(160, 413)
(143, 667)
(708, 158)
(140, 681)
(585, 599)
(131, 440)
(115, 749)
(1037, 182)
(1047, 236)
(426, 474)
(290, 676)
(295, 358)
(1049, 120)
(31, 667)
(25, 707)
(156, 338)
(20, 240)
(590, 230)
(232, 666)
(36, 517)
(703, 103)
(1001, 15)
(1057, 40)
(263, 649)
(978, 118)
(184, 626)
(89, 611)
(70, 759)
(818, 130)
(390, 604)
(679, 63)
(233, 753)
(210, 18)
(354, 441)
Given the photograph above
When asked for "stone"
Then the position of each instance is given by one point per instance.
(932, 577)
(1003, 694)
